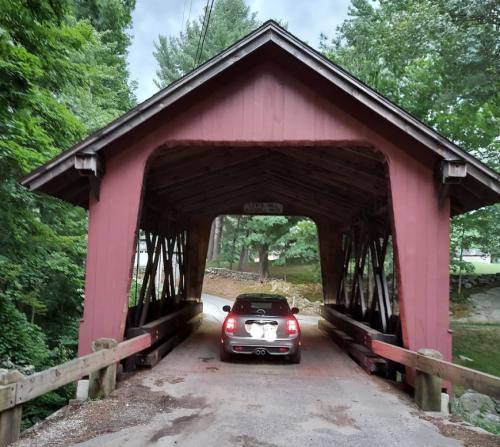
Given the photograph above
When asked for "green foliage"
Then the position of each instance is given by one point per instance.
(478, 342)
(268, 230)
(60, 78)
(292, 239)
(230, 20)
(300, 242)
(438, 60)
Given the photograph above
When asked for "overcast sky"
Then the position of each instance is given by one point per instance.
(306, 19)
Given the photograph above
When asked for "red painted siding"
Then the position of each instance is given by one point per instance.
(270, 107)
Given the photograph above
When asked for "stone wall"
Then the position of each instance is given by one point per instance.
(468, 281)
(231, 274)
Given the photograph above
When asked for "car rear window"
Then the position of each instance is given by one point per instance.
(255, 307)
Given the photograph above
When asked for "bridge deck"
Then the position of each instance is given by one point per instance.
(326, 400)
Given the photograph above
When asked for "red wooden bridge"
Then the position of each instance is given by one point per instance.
(271, 120)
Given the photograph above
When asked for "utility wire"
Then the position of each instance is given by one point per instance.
(206, 30)
(189, 15)
(183, 11)
(201, 33)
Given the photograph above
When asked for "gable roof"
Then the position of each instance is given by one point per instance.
(274, 39)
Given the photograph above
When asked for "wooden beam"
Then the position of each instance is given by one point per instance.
(205, 165)
(303, 209)
(171, 155)
(318, 186)
(308, 205)
(327, 203)
(327, 176)
(469, 378)
(220, 175)
(42, 382)
(230, 177)
(236, 196)
(341, 200)
(334, 161)
(360, 332)
(219, 191)
(364, 152)
(341, 168)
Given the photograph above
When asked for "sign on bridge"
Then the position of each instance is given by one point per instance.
(263, 208)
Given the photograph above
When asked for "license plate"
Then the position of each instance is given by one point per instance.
(260, 330)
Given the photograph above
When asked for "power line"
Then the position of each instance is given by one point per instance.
(201, 32)
(189, 15)
(183, 11)
(206, 30)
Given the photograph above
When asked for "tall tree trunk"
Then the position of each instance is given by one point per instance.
(210, 251)
(243, 262)
(461, 257)
(263, 262)
(284, 266)
(217, 236)
(235, 235)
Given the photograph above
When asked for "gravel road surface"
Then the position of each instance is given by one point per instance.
(192, 399)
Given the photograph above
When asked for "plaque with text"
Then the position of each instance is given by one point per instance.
(263, 208)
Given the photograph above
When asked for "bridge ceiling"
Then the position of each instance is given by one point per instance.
(334, 182)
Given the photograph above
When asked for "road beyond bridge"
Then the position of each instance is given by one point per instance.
(327, 400)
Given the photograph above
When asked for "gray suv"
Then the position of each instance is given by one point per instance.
(260, 324)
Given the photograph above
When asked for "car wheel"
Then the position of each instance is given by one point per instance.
(295, 357)
(224, 356)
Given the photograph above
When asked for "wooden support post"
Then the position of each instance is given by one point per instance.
(102, 382)
(427, 387)
(330, 249)
(10, 420)
(196, 257)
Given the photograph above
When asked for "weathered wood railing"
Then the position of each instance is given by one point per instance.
(369, 346)
(356, 338)
(471, 379)
(15, 390)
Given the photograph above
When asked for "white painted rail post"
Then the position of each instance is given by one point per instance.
(10, 420)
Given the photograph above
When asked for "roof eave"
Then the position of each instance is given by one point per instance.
(270, 31)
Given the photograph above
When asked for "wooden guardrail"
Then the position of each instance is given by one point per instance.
(430, 369)
(58, 376)
(471, 379)
(166, 332)
(356, 338)
(15, 390)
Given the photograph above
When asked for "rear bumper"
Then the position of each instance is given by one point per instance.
(249, 346)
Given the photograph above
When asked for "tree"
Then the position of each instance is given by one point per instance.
(267, 234)
(218, 228)
(438, 60)
(230, 20)
(48, 57)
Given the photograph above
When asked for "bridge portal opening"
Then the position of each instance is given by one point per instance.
(340, 190)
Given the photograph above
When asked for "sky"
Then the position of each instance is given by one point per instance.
(306, 20)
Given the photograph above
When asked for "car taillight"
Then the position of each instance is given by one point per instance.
(291, 326)
(230, 324)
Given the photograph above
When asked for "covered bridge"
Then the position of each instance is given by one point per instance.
(271, 120)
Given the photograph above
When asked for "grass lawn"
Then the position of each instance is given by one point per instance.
(480, 268)
(479, 342)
